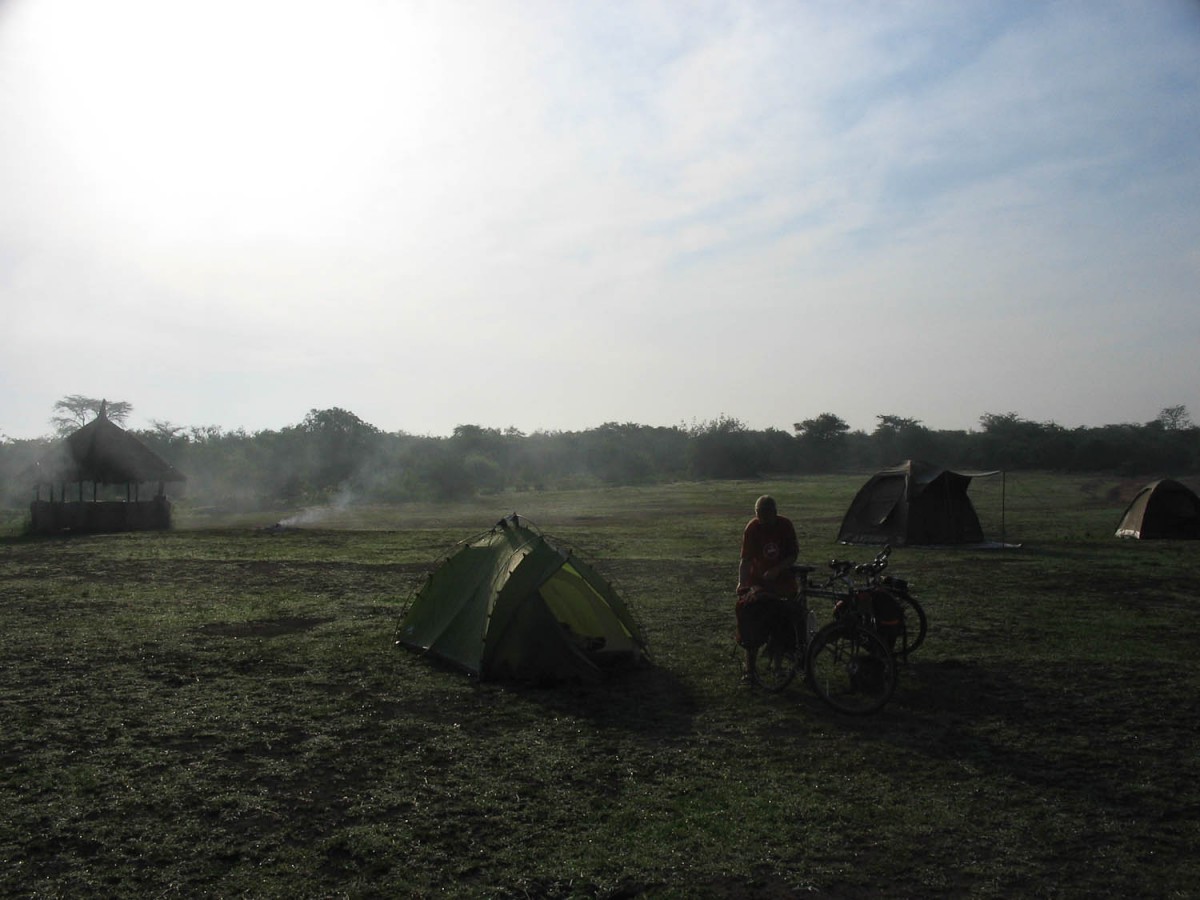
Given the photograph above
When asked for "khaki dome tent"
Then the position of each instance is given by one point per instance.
(913, 503)
(1162, 510)
(511, 604)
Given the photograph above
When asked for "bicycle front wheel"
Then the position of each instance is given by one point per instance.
(851, 668)
(915, 624)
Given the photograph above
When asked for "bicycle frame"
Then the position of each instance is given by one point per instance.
(860, 598)
(851, 662)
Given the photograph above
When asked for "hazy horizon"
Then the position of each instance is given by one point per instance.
(552, 215)
(135, 422)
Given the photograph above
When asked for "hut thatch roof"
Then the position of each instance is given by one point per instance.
(102, 451)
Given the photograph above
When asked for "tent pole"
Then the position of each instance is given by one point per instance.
(1003, 504)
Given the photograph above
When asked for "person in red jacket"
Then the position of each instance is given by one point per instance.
(769, 550)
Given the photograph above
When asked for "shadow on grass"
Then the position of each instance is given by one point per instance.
(1080, 732)
(647, 700)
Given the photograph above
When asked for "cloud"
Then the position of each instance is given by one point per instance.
(652, 212)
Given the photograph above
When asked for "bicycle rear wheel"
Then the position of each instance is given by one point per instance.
(851, 669)
(774, 664)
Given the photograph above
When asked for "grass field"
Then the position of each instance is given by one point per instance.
(220, 711)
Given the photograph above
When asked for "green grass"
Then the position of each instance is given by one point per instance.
(220, 711)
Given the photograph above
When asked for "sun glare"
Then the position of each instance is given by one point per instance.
(241, 120)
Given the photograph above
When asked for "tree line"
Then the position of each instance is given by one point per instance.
(334, 456)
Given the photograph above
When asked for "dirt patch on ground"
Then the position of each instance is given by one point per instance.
(263, 629)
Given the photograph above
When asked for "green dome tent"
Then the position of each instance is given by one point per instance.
(511, 604)
(1162, 510)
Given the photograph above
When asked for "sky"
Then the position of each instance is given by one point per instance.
(549, 214)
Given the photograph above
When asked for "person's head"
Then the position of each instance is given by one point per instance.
(765, 510)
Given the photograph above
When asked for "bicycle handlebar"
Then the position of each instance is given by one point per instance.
(842, 567)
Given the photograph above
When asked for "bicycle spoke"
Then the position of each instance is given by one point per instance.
(851, 669)
(774, 665)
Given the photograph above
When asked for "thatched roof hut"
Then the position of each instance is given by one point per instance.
(101, 452)
(104, 453)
